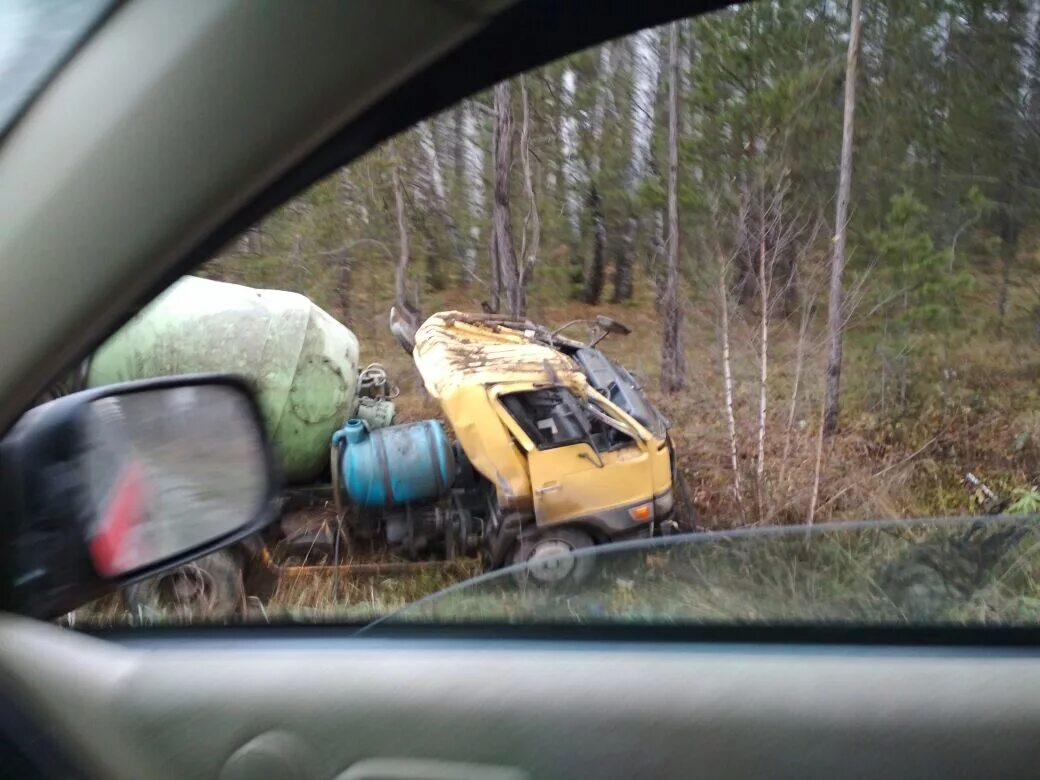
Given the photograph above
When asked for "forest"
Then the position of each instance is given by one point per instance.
(820, 221)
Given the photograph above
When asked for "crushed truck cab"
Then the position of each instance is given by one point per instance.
(563, 436)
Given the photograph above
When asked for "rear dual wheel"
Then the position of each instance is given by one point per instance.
(210, 588)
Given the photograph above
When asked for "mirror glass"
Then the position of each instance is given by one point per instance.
(167, 470)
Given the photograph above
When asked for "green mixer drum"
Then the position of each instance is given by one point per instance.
(303, 362)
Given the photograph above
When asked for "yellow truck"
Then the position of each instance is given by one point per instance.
(563, 442)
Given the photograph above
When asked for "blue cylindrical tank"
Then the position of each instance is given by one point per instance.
(395, 465)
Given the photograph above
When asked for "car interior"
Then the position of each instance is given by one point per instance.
(170, 129)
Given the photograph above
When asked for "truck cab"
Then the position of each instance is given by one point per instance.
(589, 462)
(571, 451)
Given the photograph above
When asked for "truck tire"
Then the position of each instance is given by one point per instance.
(209, 589)
(554, 545)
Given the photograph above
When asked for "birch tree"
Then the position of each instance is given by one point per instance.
(531, 241)
(404, 249)
(646, 63)
(473, 183)
(727, 381)
(438, 195)
(673, 369)
(593, 270)
(503, 251)
(569, 152)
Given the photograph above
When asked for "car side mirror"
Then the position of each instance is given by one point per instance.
(108, 486)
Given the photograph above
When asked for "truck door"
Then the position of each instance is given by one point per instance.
(580, 466)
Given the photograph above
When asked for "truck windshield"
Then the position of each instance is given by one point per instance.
(619, 385)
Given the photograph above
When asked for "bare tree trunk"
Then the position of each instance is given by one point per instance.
(747, 280)
(255, 240)
(495, 274)
(494, 303)
(835, 307)
(624, 260)
(532, 224)
(473, 190)
(686, 57)
(435, 276)
(604, 80)
(404, 255)
(763, 375)
(815, 497)
(502, 225)
(799, 363)
(659, 257)
(645, 69)
(673, 369)
(593, 268)
(342, 261)
(1008, 252)
(458, 147)
(727, 387)
(434, 177)
(568, 152)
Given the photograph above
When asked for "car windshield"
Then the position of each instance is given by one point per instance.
(796, 247)
(965, 571)
(35, 37)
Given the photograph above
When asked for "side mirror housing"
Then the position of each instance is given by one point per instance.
(108, 486)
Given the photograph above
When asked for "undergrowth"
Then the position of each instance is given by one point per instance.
(973, 406)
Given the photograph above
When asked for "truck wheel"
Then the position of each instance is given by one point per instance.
(548, 560)
(209, 588)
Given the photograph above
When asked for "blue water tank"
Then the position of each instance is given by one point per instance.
(395, 465)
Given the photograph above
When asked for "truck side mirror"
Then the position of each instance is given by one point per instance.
(108, 486)
(604, 326)
(610, 325)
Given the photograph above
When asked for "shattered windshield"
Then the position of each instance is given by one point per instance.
(621, 388)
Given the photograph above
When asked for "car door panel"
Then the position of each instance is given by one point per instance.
(182, 707)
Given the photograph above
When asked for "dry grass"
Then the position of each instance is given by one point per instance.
(885, 463)
(324, 596)
(960, 572)
(880, 466)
